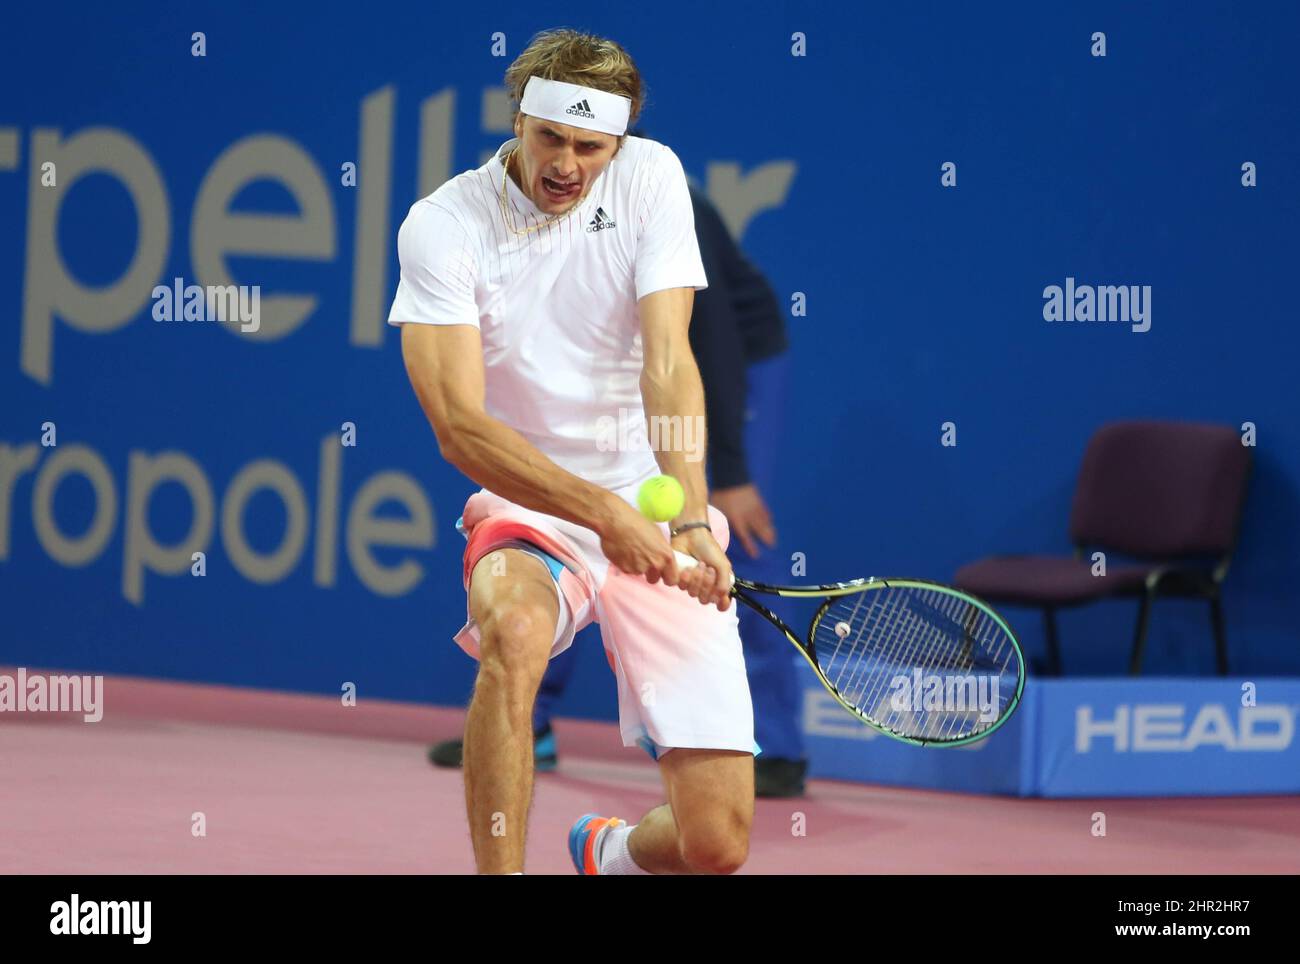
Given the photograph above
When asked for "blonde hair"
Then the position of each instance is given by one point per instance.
(578, 58)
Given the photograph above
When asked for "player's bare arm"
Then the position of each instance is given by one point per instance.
(445, 366)
(671, 386)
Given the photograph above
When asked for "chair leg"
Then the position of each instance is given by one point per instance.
(1053, 644)
(1220, 637)
(1140, 640)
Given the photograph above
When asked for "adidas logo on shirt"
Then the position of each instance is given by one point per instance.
(580, 109)
(601, 221)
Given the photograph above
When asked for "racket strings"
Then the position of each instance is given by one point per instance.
(923, 663)
(863, 627)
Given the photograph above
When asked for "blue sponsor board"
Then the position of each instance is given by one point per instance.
(841, 748)
(1157, 737)
(275, 166)
(1087, 738)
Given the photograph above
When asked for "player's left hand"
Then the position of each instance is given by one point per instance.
(710, 581)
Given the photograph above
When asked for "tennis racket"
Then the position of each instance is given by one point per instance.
(919, 661)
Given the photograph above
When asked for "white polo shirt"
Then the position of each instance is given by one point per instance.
(557, 308)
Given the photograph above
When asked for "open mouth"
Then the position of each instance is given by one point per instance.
(559, 190)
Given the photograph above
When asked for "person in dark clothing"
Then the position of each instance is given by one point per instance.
(738, 336)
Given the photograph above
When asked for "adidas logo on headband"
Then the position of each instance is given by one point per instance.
(580, 109)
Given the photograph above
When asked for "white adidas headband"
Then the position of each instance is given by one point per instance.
(594, 110)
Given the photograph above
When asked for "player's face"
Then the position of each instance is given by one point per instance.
(558, 163)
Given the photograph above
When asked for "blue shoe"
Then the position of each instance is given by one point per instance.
(584, 835)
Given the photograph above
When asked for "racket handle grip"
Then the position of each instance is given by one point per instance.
(686, 562)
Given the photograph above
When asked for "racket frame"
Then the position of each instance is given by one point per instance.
(741, 589)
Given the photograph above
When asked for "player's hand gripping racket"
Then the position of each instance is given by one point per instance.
(919, 661)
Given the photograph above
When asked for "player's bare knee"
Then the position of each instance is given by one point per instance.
(512, 598)
(716, 846)
(515, 642)
(717, 856)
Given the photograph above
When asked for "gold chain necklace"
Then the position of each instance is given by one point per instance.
(505, 204)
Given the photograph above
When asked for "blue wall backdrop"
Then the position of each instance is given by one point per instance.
(924, 305)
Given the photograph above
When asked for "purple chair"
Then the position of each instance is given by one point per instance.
(1167, 493)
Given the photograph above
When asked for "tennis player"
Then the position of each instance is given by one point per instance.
(545, 300)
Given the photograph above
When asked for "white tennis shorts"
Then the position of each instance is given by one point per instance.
(678, 662)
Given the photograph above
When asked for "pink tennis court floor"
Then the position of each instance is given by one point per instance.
(291, 784)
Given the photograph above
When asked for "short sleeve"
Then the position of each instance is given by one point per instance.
(439, 270)
(668, 254)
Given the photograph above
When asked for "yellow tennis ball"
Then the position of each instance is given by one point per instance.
(661, 498)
